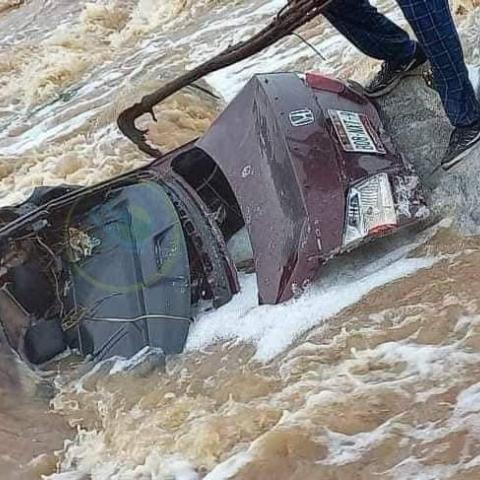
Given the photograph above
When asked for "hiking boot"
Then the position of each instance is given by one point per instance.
(462, 142)
(390, 75)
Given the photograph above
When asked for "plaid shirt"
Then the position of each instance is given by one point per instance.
(431, 20)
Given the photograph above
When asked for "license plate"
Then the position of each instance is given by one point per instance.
(355, 132)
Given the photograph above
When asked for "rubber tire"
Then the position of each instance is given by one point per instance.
(44, 340)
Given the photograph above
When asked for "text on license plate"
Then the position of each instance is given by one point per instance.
(355, 132)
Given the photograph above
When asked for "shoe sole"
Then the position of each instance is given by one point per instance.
(391, 86)
(448, 165)
(385, 91)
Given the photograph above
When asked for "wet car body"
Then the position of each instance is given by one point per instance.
(301, 161)
(281, 160)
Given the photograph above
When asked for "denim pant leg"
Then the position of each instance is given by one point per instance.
(434, 27)
(370, 31)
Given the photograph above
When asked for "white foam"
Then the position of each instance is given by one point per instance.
(413, 469)
(66, 476)
(125, 364)
(344, 449)
(272, 328)
(468, 401)
(425, 360)
(229, 467)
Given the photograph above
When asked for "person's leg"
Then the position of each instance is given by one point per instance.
(434, 27)
(370, 31)
(378, 37)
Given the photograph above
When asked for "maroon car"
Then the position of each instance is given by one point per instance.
(301, 160)
(304, 162)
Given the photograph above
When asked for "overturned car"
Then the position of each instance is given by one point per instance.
(300, 162)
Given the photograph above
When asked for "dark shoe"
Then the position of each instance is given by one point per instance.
(390, 75)
(461, 144)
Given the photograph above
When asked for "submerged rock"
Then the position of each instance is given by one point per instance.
(414, 117)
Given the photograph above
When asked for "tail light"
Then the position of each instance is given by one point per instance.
(322, 82)
(370, 209)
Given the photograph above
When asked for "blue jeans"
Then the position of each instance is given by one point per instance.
(431, 20)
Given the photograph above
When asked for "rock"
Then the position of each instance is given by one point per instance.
(414, 117)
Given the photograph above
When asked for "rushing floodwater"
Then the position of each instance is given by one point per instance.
(373, 373)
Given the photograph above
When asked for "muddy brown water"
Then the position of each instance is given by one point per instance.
(386, 388)
(30, 432)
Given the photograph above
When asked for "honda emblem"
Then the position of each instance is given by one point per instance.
(300, 118)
